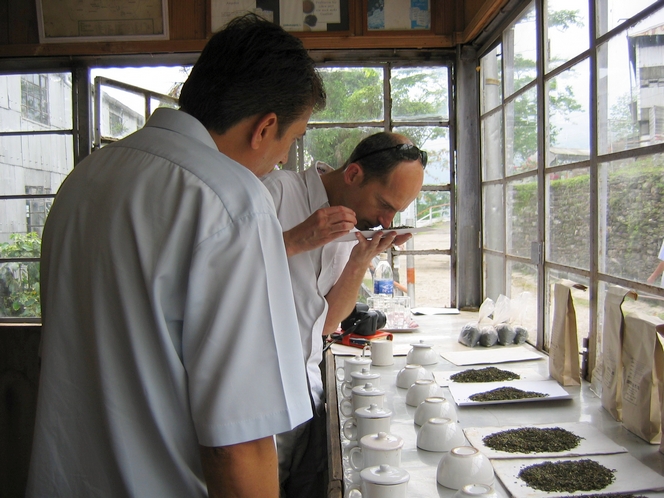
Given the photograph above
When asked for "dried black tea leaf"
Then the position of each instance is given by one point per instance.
(488, 374)
(488, 336)
(470, 335)
(505, 394)
(506, 334)
(520, 335)
(568, 476)
(532, 440)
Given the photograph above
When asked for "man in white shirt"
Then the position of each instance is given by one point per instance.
(383, 176)
(170, 356)
(659, 269)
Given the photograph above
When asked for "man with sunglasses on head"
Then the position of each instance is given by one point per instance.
(382, 176)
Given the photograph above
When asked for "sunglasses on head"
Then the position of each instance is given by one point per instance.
(406, 151)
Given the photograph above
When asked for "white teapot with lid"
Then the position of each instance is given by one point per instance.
(382, 481)
(422, 353)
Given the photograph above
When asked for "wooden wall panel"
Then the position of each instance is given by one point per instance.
(22, 22)
(188, 19)
(189, 27)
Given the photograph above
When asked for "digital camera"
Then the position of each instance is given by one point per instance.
(363, 321)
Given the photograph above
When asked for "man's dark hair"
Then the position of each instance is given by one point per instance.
(250, 68)
(379, 165)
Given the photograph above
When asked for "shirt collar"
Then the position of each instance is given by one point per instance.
(315, 189)
(182, 123)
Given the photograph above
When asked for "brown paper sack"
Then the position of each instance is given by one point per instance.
(612, 339)
(660, 331)
(564, 350)
(643, 369)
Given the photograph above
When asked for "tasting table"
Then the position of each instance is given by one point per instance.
(584, 406)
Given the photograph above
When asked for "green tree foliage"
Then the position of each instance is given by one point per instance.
(19, 281)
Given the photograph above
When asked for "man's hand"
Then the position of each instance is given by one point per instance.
(244, 470)
(325, 225)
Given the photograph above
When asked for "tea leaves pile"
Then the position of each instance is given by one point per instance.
(532, 440)
(568, 476)
(488, 374)
(505, 394)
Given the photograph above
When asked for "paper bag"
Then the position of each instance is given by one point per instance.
(612, 341)
(564, 349)
(660, 331)
(643, 367)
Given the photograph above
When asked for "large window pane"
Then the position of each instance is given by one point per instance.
(34, 161)
(419, 94)
(35, 102)
(631, 216)
(521, 133)
(494, 276)
(19, 285)
(568, 126)
(433, 210)
(431, 273)
(520, 52)
(122, 112)
(492, 144)
(353, 95)
(568, 218)
(491, 81)
(493, 223)
(522, 280)
(631, 88)
(21, 223)
(332, 146)
(611, 13)
(521, 216)
(436, 142)
(566, 20)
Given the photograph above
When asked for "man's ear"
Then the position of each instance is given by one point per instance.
(353, 174)
(264, 128)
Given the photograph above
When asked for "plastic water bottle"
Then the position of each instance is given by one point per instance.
(383, 281)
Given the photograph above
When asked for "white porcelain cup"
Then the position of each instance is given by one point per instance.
(383, 481)
(422, 353)
(370, 419)
(359, 379)
(376, 449)
(464, 465)
(382, 353)
(435, 406)
(407, 376)
(361, 396)
(476, 491)
(422, 389)
(440, 434)
(352, 364)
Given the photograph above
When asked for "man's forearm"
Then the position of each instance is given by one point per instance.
(245, 470)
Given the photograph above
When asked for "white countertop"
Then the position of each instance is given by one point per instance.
(442, 331)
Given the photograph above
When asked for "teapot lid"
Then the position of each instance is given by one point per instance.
(382, 441)
(365, 373)
(368, 389)
(373, 411)
(421, 344)
(358, 360)
(385, 474)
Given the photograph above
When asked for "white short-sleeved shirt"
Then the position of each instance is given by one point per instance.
(296, 197)
(166, 324)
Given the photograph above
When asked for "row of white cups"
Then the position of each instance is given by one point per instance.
(376, 453)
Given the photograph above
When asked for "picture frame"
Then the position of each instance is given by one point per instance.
(94, 20)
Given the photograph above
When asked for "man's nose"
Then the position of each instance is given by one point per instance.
(386, 221)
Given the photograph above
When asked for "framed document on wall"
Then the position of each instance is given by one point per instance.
(63, 21)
